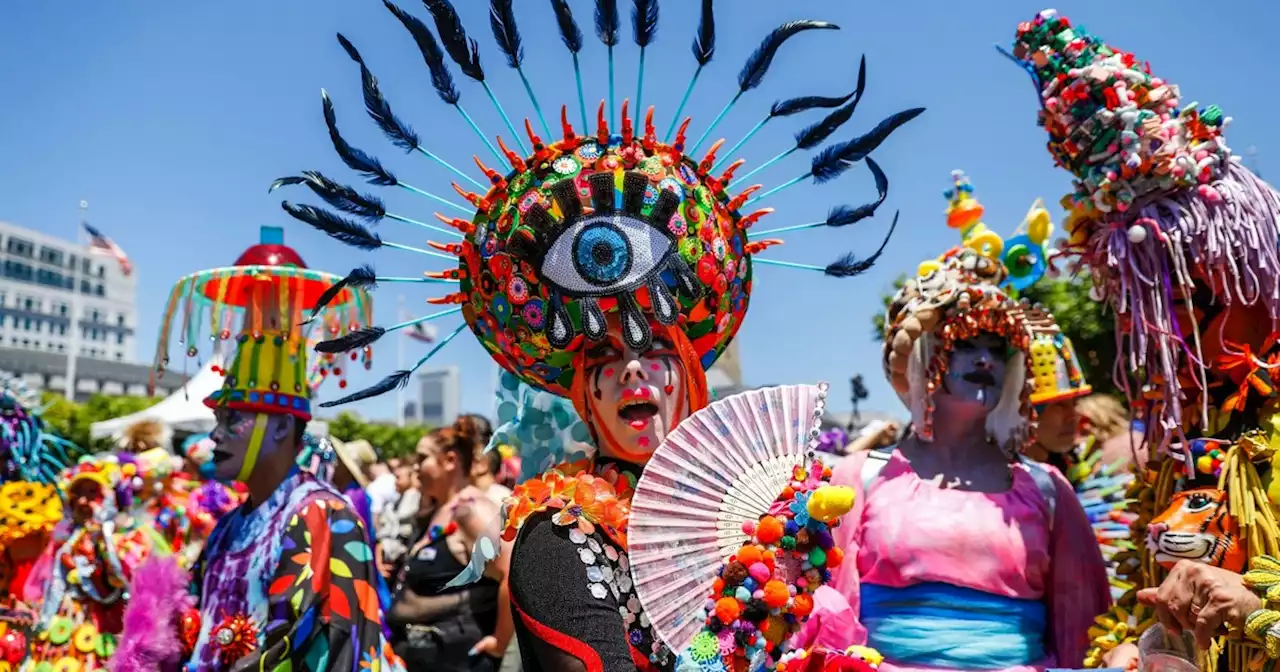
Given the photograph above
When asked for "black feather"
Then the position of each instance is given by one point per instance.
(338, 195)
(355, 159)
(753, 71)
(464, 52)
(607, 21)
(432, 54)
(352, 341)
(704, 43)
(502, 19)
(849, 266)
(392, 382)
(336, 226)
(814, 135)
(362, 277)
(645, 19)
(844, 215)
(400, 133)
(569, 31)
(786, 108)
(833, 160)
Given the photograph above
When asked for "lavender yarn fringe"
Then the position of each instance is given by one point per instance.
(1233, 244)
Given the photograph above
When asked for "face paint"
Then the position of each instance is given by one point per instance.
(975, 372)
(241, 439)
(635, 398)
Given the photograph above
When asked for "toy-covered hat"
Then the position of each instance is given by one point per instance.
(573, 228)
(1055, 372)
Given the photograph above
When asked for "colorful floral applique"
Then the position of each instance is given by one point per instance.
(579, 497)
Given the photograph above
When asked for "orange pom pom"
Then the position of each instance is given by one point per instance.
(749, 555)
(728, 609)
(787, 493)
(769, 531)
(776, 594)
(835, 556)
(717, 586)
(802, 605)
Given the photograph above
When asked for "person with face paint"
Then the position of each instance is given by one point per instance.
(82, 582)
(961, 554)
(286, 579)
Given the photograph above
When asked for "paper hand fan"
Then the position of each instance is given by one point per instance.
(722, 467)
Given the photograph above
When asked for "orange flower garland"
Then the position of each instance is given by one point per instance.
(578, 496)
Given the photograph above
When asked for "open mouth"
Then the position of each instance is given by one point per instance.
(637, 412)
(220, 455)
(980, 378)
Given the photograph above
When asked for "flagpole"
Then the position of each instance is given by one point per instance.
(400, 338)
(73, 349)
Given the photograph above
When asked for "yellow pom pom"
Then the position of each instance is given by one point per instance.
(988, 243)
(829, 502)
(867, 654)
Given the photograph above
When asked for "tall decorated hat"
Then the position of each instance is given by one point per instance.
(566, 232)
(1056, 372)
(267, 375)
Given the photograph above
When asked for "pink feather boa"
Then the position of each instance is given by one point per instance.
(158, 598)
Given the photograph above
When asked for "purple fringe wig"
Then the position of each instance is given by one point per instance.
(1228, 231)
(158, 599)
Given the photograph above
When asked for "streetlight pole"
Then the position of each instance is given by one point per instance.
(73, 347)
(859, 393)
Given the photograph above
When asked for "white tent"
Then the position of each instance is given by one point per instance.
(184, 410)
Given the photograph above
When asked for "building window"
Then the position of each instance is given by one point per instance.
(85, 287)
(20, 247)
(39, 326)
(61, 347)
(28, 304)
(26, 342)
(119, 318)
(100, 291)
(119, 356)
(102, 271)
(26, 324)
(62, 330)
(71, 262)
(120, 338)
(62, 310)
(2, 297)
(93, 315)
(19, 271)
(84, 266)
(50, 255)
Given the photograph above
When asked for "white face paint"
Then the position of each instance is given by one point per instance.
(975, 372)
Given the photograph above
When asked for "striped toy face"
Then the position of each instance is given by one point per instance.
(1196, 526)
(586, 231)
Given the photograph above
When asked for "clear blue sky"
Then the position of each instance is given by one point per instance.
(172, 118)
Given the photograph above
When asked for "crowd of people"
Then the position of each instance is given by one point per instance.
(620, 518)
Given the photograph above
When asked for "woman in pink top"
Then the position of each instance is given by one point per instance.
(960, 555)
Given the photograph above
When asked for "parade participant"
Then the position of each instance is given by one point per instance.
(82, 581)
(193, 501)
(611, 268)
(1178, 237)
(961, 554)
(31, 457)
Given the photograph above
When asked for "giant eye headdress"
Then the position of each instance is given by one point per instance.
(582, 225)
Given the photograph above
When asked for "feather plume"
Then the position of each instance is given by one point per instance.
(362, 277)
(757, 65)
(355, 159)
(569, 31)
(432, 54)
(849, 265)
(339, 196)
(704, 43)
(464, 52)
(786, 108)
(844, 215)
(502, 19)
(159, 596)
(394, 381)
(336, 226)
(645, 19)
(352, 341)
(607, 21)
(833, 160)
(376, 104)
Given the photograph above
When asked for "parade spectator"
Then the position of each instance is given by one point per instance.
(396, 525)
(382, 487)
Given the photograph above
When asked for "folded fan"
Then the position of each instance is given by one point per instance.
(722, 467)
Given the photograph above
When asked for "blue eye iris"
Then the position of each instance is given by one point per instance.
(602, 253)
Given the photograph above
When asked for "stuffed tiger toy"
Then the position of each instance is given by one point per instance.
(1196, 527)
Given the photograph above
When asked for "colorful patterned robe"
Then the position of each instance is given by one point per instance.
(289, 585)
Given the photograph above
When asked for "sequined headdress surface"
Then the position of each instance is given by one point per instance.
(579, 226)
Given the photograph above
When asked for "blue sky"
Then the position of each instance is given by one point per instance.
(172, 118)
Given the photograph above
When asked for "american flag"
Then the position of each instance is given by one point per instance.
(419, 332)
(101, 244)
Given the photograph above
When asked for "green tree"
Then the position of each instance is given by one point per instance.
(389, 440)
(72, 421)
(1089, 324)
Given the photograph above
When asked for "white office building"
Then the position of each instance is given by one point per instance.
(48, 288)
(439, 396)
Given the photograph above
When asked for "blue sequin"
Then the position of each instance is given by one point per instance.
(602, 254)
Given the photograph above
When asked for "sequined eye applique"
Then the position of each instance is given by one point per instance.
(610, 253)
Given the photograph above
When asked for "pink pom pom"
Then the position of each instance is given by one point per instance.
(749, 528)
(759, 571)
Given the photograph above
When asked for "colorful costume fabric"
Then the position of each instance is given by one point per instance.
(580, 236)
(31, 457)
(82, 581)
(1179, 237)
